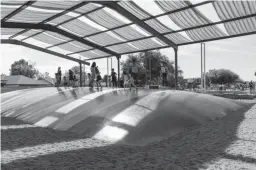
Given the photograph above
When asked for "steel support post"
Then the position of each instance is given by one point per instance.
(81, 73)
(204, 72)
(201, 67)
(203, 76)
(118, 70)
(176, 67)
(107, 73)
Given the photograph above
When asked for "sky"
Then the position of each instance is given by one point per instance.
(237, 54)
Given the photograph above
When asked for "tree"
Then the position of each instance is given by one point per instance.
(105, 78)
(222, 76)
(43, 75)
(142, 61)
(25, 68)
(76, 69)
(3, 75)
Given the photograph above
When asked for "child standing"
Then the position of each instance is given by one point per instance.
(98, 77)
(131, 82)
(89, 78)
(126, 80)
(65, 81)
(75, 82)
(114, 79)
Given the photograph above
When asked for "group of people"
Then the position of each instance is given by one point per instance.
(96, 75)
(130, 77)
(72, 79)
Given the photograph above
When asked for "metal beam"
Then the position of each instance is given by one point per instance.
(212, 23)
(16, 42)
(133, 18)
(219, 38)
(17, 10)
(48, 27)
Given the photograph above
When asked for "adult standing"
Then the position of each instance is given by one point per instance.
(164, 73)
(251, 87)
(114, 79)
(98, 77)
(71, 78)
(93, 74)
(58, 77)
(134, 72)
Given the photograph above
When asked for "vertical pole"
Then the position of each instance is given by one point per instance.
(204, 72)
(111, 66)
(81, 80)
(111, 63)
(201, 67)
(150, 70)
(107, 73)
(176, 68)
(118, 70)
(84, 75)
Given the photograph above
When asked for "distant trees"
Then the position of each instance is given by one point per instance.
(105, 78)
(143, 61)
(222, 76)
(76, 72)
(76, 69)
(3, 75)
(25, 68)
(43, 75)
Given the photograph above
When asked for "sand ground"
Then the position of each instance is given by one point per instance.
(227, 144)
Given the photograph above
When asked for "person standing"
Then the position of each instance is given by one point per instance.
(58, 77)
(89, 78)
(126, 80)
(114, 79)
(71, 78)
(164, 74)
(93, 74)
(65, 81)
(98, 77)
(251, 87)
(134, 72)
(131, 82)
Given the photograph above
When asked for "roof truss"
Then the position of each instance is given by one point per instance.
(16, 42)
(49, 27)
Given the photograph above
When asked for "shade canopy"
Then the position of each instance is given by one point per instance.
(98, 29)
